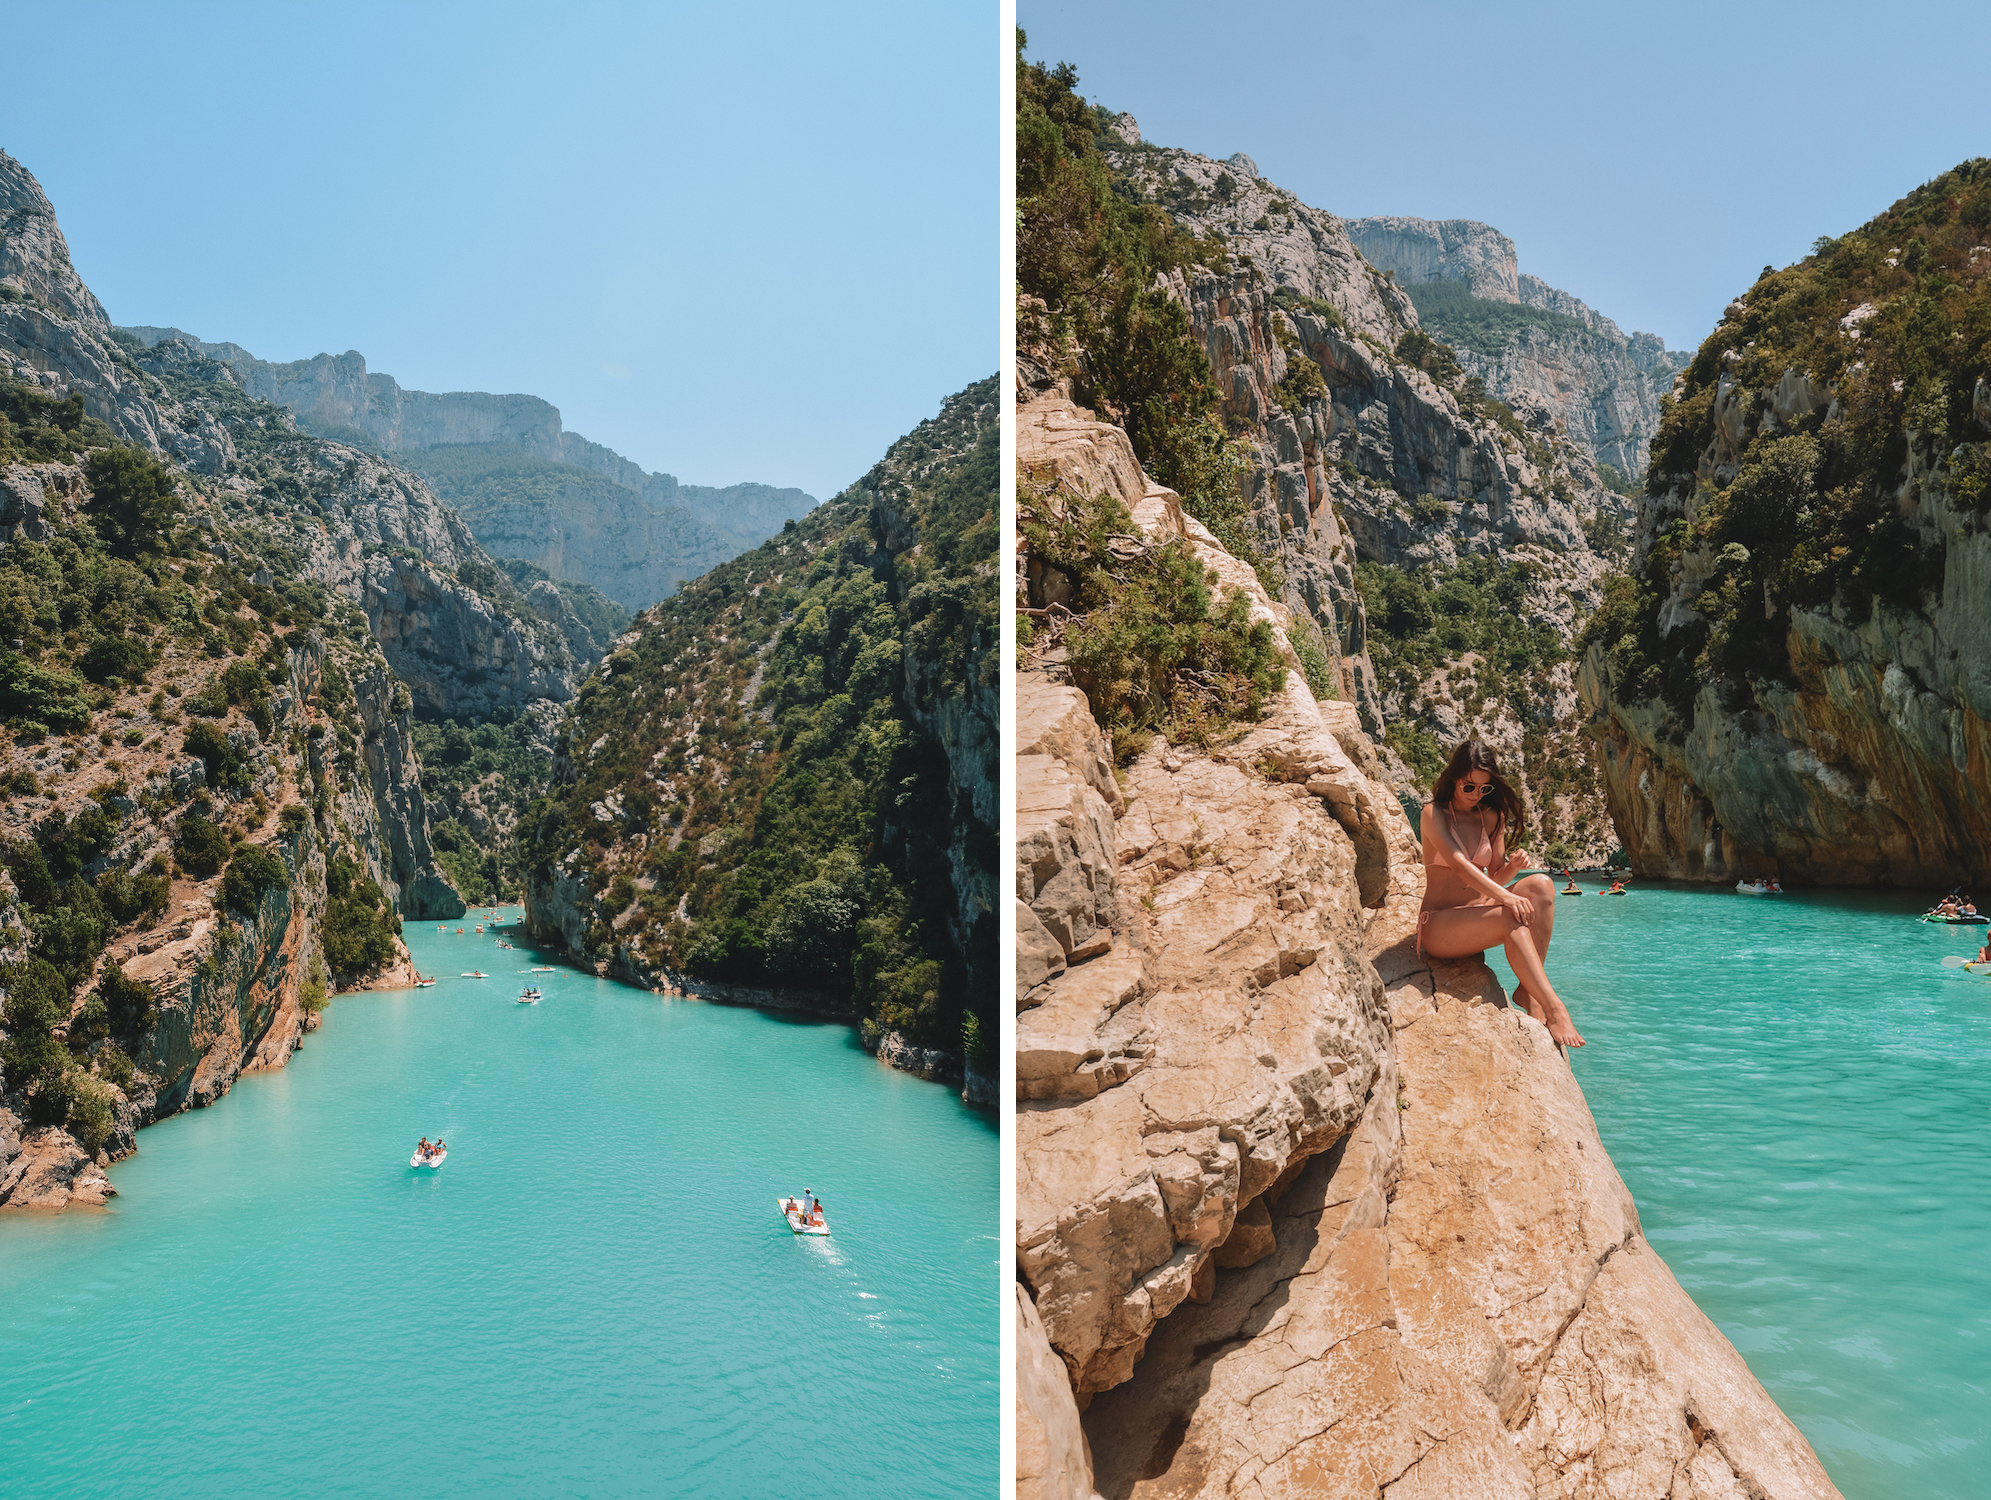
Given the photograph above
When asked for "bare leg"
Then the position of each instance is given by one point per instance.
(1459, 930)
(1540, 890)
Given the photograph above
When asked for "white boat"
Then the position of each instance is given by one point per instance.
(791, 1210)
(429, 1159)
(1754, 888)
(530, 995)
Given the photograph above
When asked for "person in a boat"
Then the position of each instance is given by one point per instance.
(1468, 904)
(1571, 888)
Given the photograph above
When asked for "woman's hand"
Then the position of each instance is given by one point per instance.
(1521, 906)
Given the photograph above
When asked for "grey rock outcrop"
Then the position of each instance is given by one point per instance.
(1865, 765)
(1600, 385)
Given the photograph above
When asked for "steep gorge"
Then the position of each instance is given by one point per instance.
(528, 488)
(1538, 344)
(192, 872)
(1440, 547)
(1793, 679)
(781, 789)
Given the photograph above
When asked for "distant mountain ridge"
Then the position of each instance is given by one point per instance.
(529, 488)
(1601, 383)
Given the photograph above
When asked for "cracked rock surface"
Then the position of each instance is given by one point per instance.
(1461, 1304)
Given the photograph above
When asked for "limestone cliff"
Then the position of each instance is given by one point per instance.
(211, 786)
(1299, 1212)
(781, 788)
(1369, 444)
(529, 488)
(1601, 386)
(1794, 679)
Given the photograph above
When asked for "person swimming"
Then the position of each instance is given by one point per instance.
(1468, 904)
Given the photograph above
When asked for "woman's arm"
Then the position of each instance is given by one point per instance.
(1449, 853)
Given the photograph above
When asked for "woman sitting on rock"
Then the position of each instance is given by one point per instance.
(1468, 905)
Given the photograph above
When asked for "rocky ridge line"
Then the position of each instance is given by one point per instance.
(1603, 388)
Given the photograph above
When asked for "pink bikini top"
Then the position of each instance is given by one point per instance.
(1484, 859)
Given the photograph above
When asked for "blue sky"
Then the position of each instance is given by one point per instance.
(1650, 159)
(731, 242)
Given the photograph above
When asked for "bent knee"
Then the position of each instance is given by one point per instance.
(1537, 888)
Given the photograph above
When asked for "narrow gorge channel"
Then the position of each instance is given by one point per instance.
(594, 1291)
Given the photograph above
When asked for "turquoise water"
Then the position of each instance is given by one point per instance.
(595, 1295)
(1799, 1096)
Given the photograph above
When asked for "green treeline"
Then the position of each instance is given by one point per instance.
(1450, 310)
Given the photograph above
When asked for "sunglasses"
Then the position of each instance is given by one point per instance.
(1475, 788)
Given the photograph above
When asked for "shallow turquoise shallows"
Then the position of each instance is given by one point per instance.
(1799, 1096)
(594, 1295)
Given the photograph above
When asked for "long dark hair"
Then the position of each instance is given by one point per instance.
(1477, 755)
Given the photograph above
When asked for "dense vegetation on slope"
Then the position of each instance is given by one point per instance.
(130, 651)
(478, 779)
(1893, 320)
(758, 791)
(1090, 251)
(1450, 310)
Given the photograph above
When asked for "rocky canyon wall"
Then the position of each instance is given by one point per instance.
(1300, 1212)
(1599, 384)
(1382, 462)
(530, 488)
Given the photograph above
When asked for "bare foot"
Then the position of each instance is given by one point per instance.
(1562, 1031)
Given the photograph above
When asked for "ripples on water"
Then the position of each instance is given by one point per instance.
(1799, 1096)
(593, 1296)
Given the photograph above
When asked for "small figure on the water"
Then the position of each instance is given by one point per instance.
(1570, 889)
(1617, 887)
(1468, 904)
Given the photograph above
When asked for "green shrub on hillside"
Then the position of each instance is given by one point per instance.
(1154, 649)
(225, 768)
(133, 500)
(199, 846)
(253, 872)
(360, 928)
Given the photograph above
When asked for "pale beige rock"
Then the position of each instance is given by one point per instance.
(1038, 955)
(1056, 720)
(1064, 841)
(51, 1171)
(1052, 1460)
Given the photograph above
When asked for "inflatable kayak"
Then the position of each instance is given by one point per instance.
(1959, 921)
(432, 1159)
(795, 1219)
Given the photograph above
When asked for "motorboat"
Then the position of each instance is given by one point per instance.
(791, 1210)
(424, 984)
(530, 995)
(423, 1158)
(473, 974)
(1757, 888)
